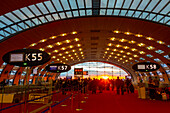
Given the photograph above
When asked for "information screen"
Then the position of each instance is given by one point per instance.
(16, 57)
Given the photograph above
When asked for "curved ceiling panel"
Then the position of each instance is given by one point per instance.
(25, 18)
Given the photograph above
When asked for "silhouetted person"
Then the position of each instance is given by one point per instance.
(113, 84)
(122, 86)
(156, 82)
(127, 82)
(131, 87)
(118, 84)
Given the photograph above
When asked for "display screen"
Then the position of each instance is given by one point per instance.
(141, 66)
(19, 57)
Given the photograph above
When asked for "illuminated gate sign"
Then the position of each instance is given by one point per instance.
(78, 71)
(26, 57)
(146, 67)
(58, 67)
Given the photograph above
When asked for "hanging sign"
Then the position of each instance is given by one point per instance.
(26, 57)
(78, 71)
(146, 67)
(58, 68)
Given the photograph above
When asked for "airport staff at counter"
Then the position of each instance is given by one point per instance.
(151, 89)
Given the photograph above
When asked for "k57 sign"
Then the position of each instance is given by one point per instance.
(58, 68)
(26, 57)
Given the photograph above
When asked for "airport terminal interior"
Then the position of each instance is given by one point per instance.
(87, 56)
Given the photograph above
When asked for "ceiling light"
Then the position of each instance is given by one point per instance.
(122, 40)
(33, 44)
(50, 46)
(114, 49)
(105, 52)
(53, 37)
(118, 54)
(49, 53)
(133, 49)
(64, 57)
(121, 51)
(53, 56)
(149, 38)
(130, 58)
(41, 49)
(109, 44)
(78, 45)
(138, 35)
(58, 59)
(76, 39)
(116, 31)
(66, 52)
(118, 45)
(107, 49)
(115, 57)
(69, 55)
(135, 55)
(55, 51)
(127, 33)
(128, 53)
(141, 44)
(60, 54)
(124, 56)
(43, 40)
(68, 41)
(126, 47)
(80, 49)
(71, 46)
(81, 52)
(74, 32)
(75, 53)
(112, 53)
(112, 39)
(142, 52)
(132, 42)
(63, 48)
(64, 34)
(73, 50)
(160, 42)
(150, 47)
(58, 43)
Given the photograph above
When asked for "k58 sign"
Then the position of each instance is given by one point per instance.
(26, 57)
(146, 66)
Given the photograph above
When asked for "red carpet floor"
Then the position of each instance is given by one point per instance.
(109, 102)
(106, 102)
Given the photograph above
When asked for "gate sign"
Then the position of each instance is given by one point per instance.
(58, 68)
(146, 67)
(78, 71)
(26, 57)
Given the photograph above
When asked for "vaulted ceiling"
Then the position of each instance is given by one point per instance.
(95, 35)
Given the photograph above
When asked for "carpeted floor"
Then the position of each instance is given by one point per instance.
(106, 102)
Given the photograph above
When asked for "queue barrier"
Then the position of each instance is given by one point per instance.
(28, 101)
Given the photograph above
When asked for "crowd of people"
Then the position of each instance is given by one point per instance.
(93, 85)
(119, 85)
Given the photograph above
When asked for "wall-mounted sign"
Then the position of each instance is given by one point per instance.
(58, 68)
(26, 57)
(146, 67)
(85, 72)
(78, 71)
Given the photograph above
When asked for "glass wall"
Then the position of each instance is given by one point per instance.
(97, 70)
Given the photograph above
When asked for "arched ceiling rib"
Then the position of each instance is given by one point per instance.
(28, 17)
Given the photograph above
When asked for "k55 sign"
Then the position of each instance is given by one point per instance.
(26, 57)
(58, 68)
